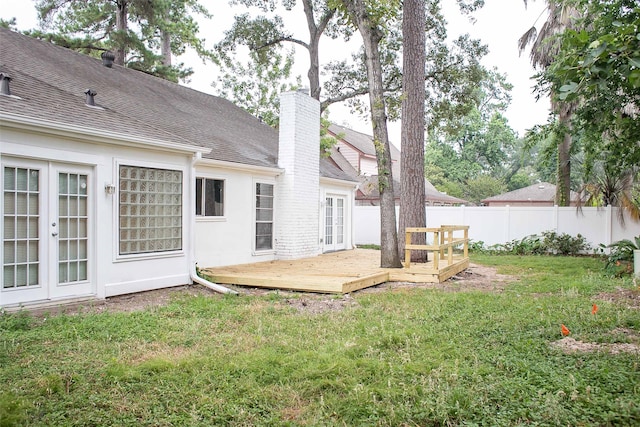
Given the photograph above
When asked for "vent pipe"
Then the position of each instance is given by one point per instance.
(107, 58)
(90, 101)
(4, 84)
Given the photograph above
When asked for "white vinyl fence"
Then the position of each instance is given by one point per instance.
(494, 225)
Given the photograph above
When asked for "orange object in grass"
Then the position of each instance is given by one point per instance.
(594, 309)
(565, 330)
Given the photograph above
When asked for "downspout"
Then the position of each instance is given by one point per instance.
(213, 286)
(193, 273)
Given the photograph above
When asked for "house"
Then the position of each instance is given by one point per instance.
(115, 181)
(358, 151)
(540, 194)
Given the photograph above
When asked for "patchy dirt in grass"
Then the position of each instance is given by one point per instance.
(570, 345)
(474, 278)
(630, 298)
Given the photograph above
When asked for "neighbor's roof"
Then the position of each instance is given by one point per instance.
(540, 192)
(360, 141)
(368, 190)
(51, 81)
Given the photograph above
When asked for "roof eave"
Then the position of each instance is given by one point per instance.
(240, 166)
(96, 135)
(325, 180)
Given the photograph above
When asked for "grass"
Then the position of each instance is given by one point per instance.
(412, 357)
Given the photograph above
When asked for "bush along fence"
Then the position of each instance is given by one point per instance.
(503, 225)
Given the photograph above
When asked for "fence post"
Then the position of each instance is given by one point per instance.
(466, 243)
(407, 252)
(608, 225)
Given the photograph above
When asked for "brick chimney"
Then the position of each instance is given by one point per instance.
(298, 188)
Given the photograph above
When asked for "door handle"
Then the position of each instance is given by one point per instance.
(54, 234)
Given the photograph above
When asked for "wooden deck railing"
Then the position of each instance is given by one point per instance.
(443, 239)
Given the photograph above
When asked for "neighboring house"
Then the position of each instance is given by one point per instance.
(115, 181)
(357, 149)
(540, 194)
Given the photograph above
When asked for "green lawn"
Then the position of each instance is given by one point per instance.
(406, 357)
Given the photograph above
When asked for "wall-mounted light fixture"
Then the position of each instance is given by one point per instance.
(109, 188)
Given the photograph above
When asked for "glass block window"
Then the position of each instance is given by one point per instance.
(264, 216)
(150, 210)
(21, 264)
(209, 197)
(73, 240)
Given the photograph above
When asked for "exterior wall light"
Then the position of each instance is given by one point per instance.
(109, 188)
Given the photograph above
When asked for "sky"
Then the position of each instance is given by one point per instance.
(499, 25)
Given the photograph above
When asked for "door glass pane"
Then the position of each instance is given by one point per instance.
(72, 227)
(328, 223)
(20, 227)
(22, 179)
(340, 221)
(9, 178)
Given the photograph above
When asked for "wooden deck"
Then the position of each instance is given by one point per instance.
(337, 272)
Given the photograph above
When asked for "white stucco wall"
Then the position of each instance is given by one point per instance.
(109, 273)
(341, 189)
(229, 239)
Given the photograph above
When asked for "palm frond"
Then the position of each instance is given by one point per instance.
(527, 38)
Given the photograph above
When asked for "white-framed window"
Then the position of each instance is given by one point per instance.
(264, 216)
(150, 210)
(209, 197)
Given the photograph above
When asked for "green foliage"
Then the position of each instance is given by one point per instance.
(528, 245)
(137, 39)
(20, 321)
(13, 411)
(564, 244)
(256, 87)
(548, 242)
(598, 69)
(481, 187)
(620, 259)
(327, 142)
(415, 356)
(8, 24)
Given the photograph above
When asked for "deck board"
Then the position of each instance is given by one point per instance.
(336, 272)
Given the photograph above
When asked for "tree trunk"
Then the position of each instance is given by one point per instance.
(166, 48)
(313, 48)
(412, 210)
(121, 28)
(563, 187)
(371, 36)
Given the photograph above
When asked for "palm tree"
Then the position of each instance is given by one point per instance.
(609, 186)
(544, 48)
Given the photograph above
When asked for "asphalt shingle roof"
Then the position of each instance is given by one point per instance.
(540, 192)
(51, 81)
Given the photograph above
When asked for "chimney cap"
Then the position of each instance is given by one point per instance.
(107, 58)
(5, 79)
(89, 100)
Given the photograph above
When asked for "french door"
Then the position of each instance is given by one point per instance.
(334, 223)
(47, 235)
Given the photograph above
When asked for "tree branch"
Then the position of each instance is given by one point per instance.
(280, 40)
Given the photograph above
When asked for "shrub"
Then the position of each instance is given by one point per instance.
(528, 245)
(564, 244)
(548, 243)
(477, 246)
(620, 258)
